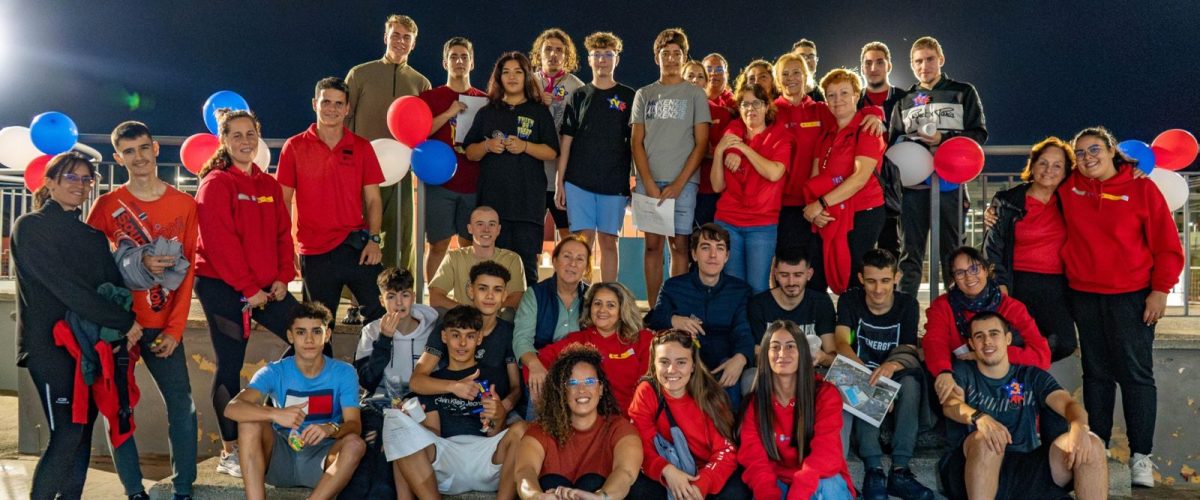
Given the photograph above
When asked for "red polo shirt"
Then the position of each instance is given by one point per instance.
(466, 177)
(835, 156)
(749, 198)
(806, 122)
(328, 183)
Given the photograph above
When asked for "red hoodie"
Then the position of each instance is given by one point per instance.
(716, 457)
(104, 390)
(1121, 237)
(942, 338)
(825, 458)
(245, 231)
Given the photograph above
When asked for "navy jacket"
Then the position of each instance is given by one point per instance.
(721, 309)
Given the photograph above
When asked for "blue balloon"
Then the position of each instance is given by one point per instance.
(53, 132)
(1140, 152)
(434, 162)
(223, 99)
(943, 186)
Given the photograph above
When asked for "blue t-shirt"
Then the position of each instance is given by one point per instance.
(336, 387)
(1014, 400)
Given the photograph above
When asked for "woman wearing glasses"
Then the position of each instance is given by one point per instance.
(60, 264)
(948, 318)
(581, 446)
(1122, 256)
(749, 170)
(1026, 241)
(613, 325)
(844, 197)
(791, 432)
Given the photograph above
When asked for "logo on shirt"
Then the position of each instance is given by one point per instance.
(1015, 392)
(255, 199)
(624, 355)
(920, 99)
(524, 127)
(810, 124)
(318, 405)
(1103, 196)
(616, 103)
(560, 91)
(667, 109)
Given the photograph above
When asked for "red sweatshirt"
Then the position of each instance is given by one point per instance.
(716, 457)
(245, 231)
(121, 215)
(824, 459)
(104, 390)
(942, 338)
(623, 363)
(1121, 237)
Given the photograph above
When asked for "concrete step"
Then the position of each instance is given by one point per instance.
(924, 465)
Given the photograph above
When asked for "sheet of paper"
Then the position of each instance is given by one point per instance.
(402, 436)
(650, 217)
(464, 120)
(861, 399)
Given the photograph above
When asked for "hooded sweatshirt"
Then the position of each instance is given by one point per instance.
(382, 362)
(1121, 237)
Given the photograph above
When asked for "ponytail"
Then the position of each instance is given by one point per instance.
(221, 159)
(41, 195)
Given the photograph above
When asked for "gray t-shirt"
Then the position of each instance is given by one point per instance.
(670, 114)
(562, 90)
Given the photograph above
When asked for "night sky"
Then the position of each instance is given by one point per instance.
(1041, 68)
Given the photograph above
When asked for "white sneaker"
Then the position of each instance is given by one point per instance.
(1141, 470)
(229, 464)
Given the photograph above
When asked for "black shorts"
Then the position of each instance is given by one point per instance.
(559, 216)
(1024, 476)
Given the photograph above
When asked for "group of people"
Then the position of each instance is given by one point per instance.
(781, 195)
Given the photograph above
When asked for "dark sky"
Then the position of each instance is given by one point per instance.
(1046, 67)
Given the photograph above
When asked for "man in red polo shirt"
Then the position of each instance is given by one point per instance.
(333, 175)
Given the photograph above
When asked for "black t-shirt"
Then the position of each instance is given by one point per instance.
(514, 184)
(1014, 400)
(873, 337)
(598, 123)
(459, 417)
(495, 353)
(814, 314)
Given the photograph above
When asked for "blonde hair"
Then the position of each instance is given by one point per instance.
(758, 64)
(395, 20)
(603, 40)
(782, 62)
(926, 42)
(570, 61)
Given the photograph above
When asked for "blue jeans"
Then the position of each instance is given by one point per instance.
(750, 252)
(830, 488)
(171, 376)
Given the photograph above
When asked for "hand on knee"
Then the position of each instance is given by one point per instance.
(977, 448)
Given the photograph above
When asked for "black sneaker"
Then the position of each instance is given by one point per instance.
(875, 485)
(179, 496)
(352, 317)
(141, 495)
(903, 483)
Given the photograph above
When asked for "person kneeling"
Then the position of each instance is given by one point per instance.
(463, 442)
(1002, 457)
(310, 437)
(581, 446)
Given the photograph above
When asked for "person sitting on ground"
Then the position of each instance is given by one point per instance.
(453, 275)
(309, 435)
(582, 446)
(1001, 455)
(389, 347)
(791, 300)
(456, 453)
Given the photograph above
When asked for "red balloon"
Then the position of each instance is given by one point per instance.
(409, 120)
(35, 173)
(1175, 149)
(958, 160)
(196, 150)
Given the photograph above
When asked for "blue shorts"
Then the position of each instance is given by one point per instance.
(685, 205)
(590, 211)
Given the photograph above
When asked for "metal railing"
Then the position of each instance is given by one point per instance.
(16, 200)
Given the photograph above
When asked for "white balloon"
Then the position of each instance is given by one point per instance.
(913, 160)
(262, 157)
(1172, 185)
(16, 148)
(394, 158)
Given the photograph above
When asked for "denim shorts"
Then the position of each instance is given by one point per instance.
(590, 211)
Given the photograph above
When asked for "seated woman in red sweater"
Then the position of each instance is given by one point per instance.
(791, 432)
(581, 446)
(611, 323)
(681, 412)
(948, 321)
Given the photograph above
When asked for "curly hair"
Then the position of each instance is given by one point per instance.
(553, 410)
(701, 386)
(631, 320)
(570, 58)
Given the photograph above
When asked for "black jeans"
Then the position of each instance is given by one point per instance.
(586, 482)
(64, 465)
(890, 237)
(223, 310)
(734, 488)
(867, 225)
(795, 234)
(525, 239)
(1045, 295)
(1117, 348)
(914, 221)
(325, 275)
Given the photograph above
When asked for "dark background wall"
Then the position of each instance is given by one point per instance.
(1040, 67)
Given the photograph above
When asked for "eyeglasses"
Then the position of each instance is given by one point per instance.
(86, 180)
(589, 382)
(1093, 150)
(962, 273)
(716, 70)
(602, 55)
(755, 105)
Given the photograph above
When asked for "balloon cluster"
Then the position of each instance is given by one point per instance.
(1172, 150)
(31, 148)
(198, 148)
(410, 120)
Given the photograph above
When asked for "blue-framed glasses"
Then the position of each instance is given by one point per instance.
(589, 382)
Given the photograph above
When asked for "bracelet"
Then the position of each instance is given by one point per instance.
(602, 493)
(526, 147)
(821, 200)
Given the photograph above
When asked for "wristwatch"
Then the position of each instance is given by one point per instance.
(375, 237)
(976, 416)
(335, 426)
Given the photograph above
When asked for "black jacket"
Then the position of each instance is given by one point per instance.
(60, 262)
(999, 240)
(889, 104)
(889, 173)
(954, 106)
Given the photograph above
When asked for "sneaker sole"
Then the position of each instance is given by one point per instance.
(228, 472)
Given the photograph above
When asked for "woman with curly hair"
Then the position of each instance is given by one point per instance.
(686, 426)
(611, 324)
(581, 446)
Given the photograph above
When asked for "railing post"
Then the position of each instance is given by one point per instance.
(935, 235)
